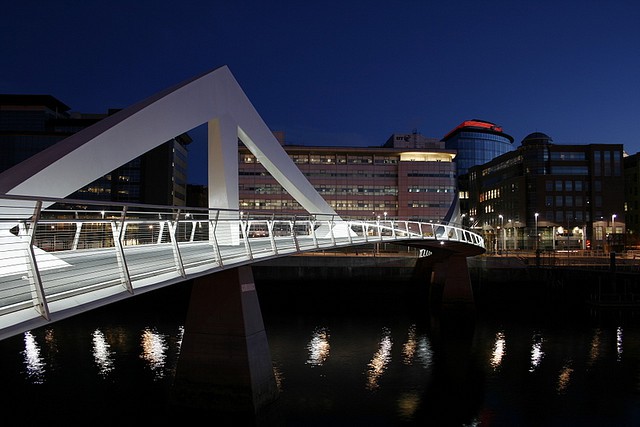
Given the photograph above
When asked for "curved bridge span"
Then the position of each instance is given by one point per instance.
(76, 256)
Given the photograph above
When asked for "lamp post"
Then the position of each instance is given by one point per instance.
(613, 229)
(502, 228)
(535, 215)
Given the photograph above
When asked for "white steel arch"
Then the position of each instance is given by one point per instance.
(215, 98)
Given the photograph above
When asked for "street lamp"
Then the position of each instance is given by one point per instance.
(536, 218)
(613, 223)
(502, 227)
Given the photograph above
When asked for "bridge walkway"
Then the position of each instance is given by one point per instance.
(63, 261)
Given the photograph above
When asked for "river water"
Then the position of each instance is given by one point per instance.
(346, 359)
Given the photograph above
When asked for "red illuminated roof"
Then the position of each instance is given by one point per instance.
(475, 124)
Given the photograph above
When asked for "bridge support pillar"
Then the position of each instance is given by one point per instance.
(451, 277)
(225, 363)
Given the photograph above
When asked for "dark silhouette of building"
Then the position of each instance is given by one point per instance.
(31, 123)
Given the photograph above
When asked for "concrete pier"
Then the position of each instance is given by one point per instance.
(452, 275)
(225, 363)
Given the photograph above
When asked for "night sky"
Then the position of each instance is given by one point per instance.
(345, 72)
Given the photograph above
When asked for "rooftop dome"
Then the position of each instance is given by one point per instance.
(537, 138)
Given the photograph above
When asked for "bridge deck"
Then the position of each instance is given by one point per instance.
(57, 267)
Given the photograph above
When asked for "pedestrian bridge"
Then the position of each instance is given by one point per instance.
(61, 257)
(76, 256)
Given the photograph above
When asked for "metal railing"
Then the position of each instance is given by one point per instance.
(74, 252)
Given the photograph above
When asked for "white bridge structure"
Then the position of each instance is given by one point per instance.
(61, 257)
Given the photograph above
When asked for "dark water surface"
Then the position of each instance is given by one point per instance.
(343, 359)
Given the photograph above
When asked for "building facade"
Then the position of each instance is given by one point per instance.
(550, 196)
(31, 123)
(476, 142)
(410, 176)
(632, 200)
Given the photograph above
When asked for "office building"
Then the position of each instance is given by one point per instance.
(632, 200)
(31, 123)
(550, 196)
(409, 176)
(476, 142)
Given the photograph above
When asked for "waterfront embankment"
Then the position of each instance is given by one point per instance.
(606, 281)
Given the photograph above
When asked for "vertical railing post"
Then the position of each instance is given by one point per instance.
(244, 228)
(333, 237)
(118, 232)
(212, 238)
(174, 244)
(160, 229)
(194, 224)
(38, 297)
(292, 224)
(76, 236)
(272, 238)
(312, 224)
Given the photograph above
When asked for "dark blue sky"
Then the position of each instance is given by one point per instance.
(346, 72)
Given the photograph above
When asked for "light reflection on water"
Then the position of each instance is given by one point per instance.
(425, 353)
(34, 364)
(536, 351)
(380, 360)
(564, 366)
(408, 404)
(594, 351)
(417, 347)
(154, 349)
(410, 347)
(619, 336)
(102, 353)
(564, 377)
(318, 347)
(499, 350)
